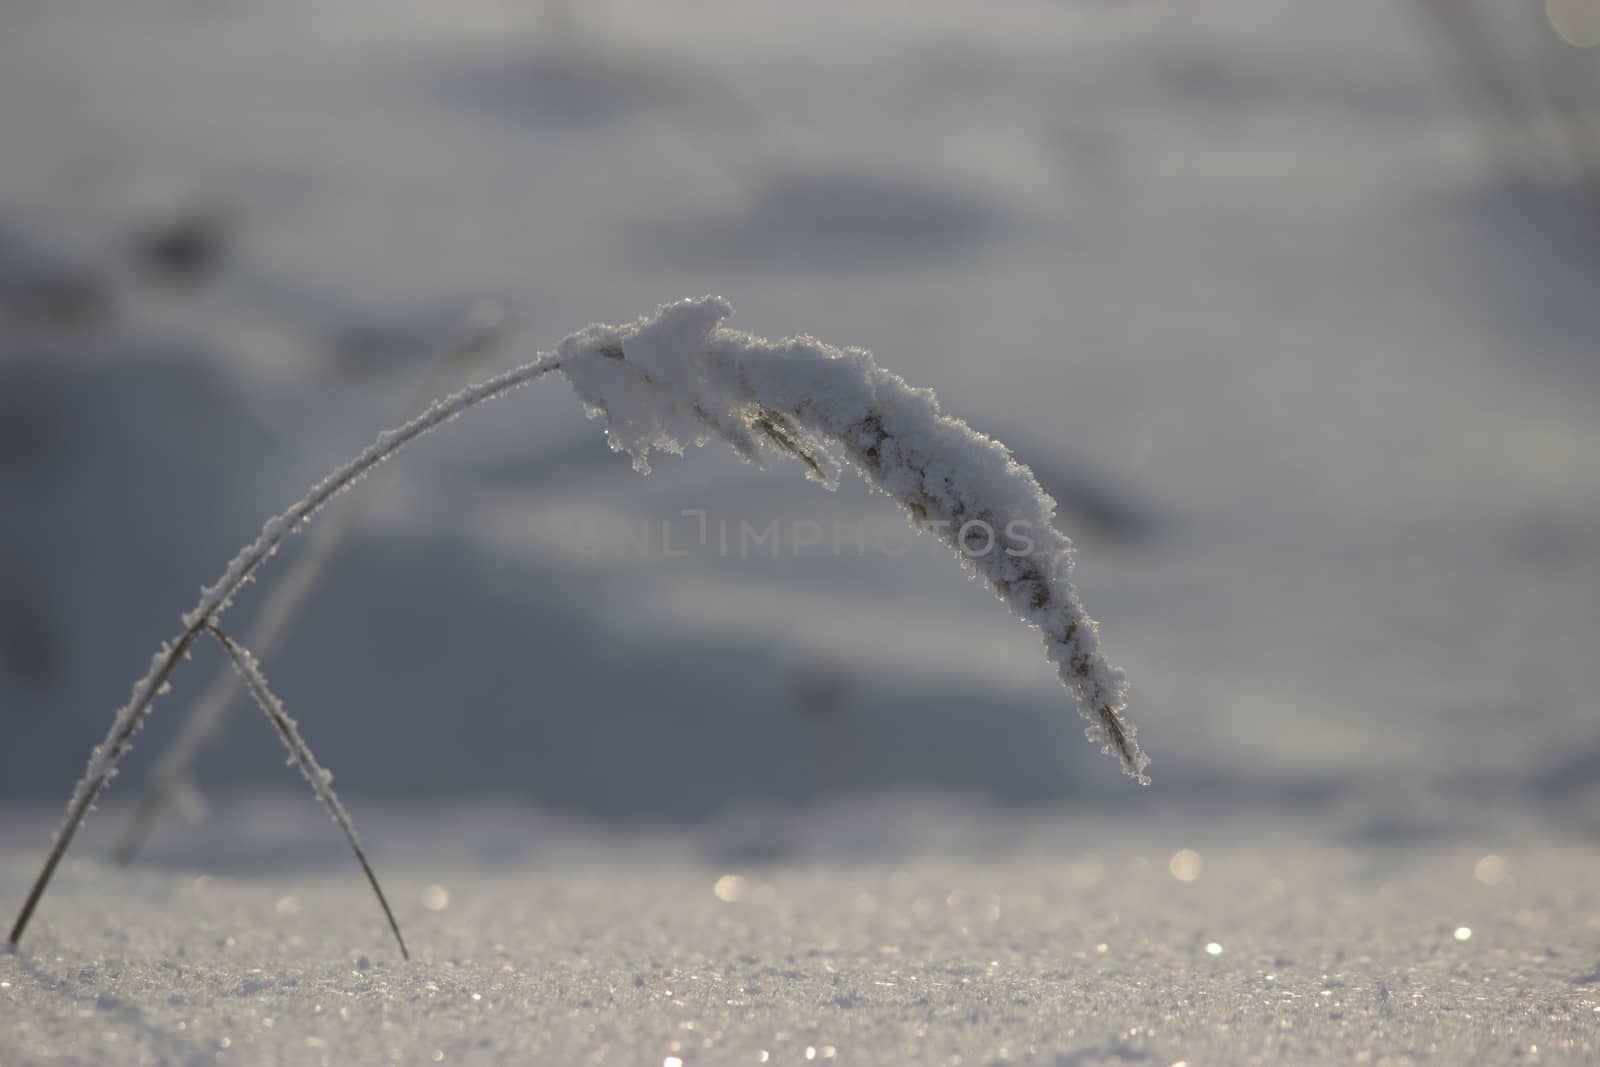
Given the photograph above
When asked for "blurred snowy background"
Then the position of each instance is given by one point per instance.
(1292, 307)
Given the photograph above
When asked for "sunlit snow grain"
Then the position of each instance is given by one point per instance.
(1185, 865)
(1490, 870)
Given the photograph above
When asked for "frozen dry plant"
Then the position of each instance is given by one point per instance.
(680, 376)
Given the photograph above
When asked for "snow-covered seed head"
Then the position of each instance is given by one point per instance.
(681, 377)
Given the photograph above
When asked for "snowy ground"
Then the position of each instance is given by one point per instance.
(1303, 347)
(1034, 943)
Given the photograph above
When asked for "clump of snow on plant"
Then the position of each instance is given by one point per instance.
(681, 377)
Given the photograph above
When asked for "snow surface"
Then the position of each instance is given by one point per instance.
(1307, 361)
(986, 942)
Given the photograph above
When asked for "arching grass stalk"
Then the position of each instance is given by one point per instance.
(680, 377)
(482, 332)
(215, 599)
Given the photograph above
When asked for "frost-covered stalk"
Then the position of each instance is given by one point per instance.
(215, 599)
(300, 755)
(481, 332)
(681, 376)
(173, 776)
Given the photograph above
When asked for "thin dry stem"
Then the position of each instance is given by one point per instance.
(300, 753)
